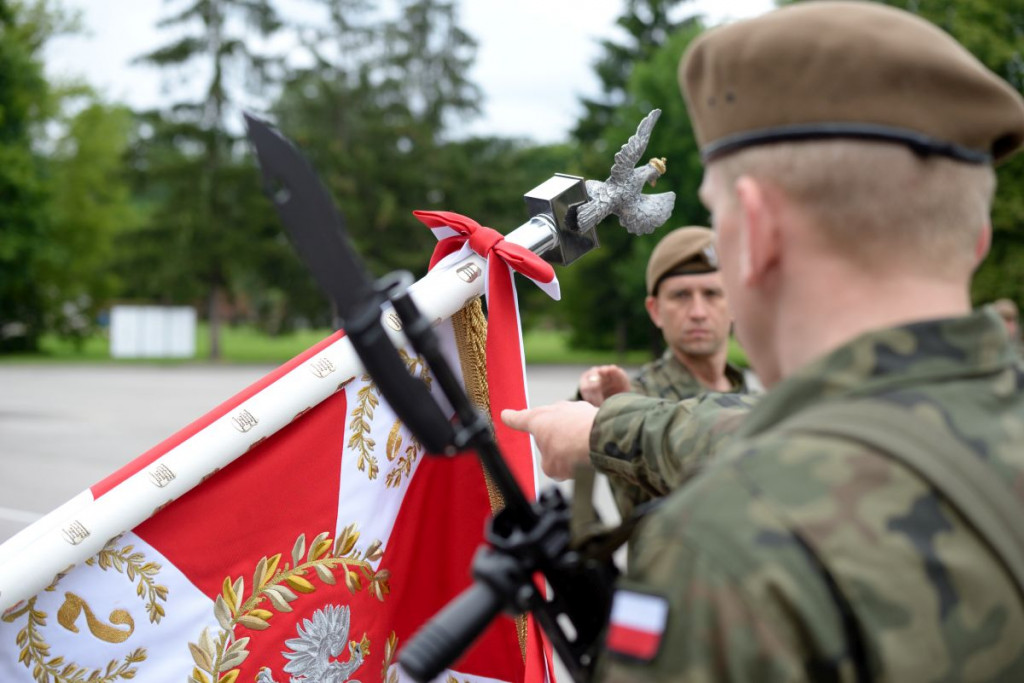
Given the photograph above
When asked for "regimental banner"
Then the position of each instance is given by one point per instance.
(312, 558)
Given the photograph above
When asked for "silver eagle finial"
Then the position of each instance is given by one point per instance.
(621, 194)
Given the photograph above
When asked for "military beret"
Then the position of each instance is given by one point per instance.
(684, 251)
(836, 69)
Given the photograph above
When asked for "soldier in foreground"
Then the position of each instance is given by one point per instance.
(863, 523)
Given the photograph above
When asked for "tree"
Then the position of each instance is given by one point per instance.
(193, 167)
(28, 252)
(648, 24)
(90, 205)
(605, 290)
(373, 113)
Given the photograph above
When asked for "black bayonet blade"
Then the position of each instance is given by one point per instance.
(313, 223)
(318, 233)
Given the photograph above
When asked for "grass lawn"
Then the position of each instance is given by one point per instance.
(247, 345)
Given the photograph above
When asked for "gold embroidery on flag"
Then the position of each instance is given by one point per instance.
(217, 656)
(361, 422)
(134, 566)
(35, 651)
(74, 605)
(359, 426)
(389, 672)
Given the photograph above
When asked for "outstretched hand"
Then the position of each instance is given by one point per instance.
(602, 381)
(562, 432)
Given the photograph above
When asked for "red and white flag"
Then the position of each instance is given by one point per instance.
(637, 624)
(313, 557)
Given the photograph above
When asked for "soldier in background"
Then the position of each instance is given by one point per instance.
(686, 302)
(863, 522)
(1008, 311)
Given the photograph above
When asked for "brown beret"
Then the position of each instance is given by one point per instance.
(835, 69)
(684, 251)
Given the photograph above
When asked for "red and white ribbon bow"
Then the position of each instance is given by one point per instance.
(506, 377)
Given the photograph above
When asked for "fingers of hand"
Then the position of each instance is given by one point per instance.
(516, 419)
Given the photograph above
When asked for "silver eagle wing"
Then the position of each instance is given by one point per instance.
(629, 155)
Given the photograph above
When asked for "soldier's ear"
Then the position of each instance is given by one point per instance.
(759, 224)
(982, 243)
(651, 303)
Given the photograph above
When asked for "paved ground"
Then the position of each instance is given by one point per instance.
(65, 427)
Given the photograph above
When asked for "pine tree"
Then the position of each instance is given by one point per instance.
(193, 154)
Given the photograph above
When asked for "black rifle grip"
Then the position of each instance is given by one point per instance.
(450, 632)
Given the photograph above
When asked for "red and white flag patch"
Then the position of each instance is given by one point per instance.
(637, 624)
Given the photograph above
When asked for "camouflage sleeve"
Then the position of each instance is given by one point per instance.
(648, 447)
(738, 600)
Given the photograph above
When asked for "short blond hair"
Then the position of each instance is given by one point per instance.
(878, 203)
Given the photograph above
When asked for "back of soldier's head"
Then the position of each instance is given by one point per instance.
(881, 126)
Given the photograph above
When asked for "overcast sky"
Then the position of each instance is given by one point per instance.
(534, 60)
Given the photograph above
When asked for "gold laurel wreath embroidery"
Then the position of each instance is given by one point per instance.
(132, 565)
(35, 649)
(217, 659)
(360, 427)
(386, 675)
(360, 420)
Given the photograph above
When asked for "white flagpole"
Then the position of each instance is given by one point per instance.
(79, 529)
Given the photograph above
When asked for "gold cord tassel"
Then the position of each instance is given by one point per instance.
(470, 327)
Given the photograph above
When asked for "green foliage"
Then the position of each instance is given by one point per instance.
(28, 258)
(605, 290)
(993, 30)
(648, 24)
(199, 235)
(90, 205)
(372, 114)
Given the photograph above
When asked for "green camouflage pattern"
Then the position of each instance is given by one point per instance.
(669, 379)
(649, 446)
(634, 480)
(791, 556)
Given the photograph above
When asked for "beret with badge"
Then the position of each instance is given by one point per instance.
(684, 251)
(840, 69)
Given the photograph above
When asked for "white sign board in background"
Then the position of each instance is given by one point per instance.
(153, 332)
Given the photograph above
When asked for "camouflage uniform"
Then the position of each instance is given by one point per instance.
(793, 553)
(648, 447)
(635, 479)
(668, 378)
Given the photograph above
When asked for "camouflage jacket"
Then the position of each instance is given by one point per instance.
(668, 378)
(639, 472)
(788, 544)
(649, 446)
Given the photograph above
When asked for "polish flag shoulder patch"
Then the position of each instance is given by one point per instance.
(637, 624)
